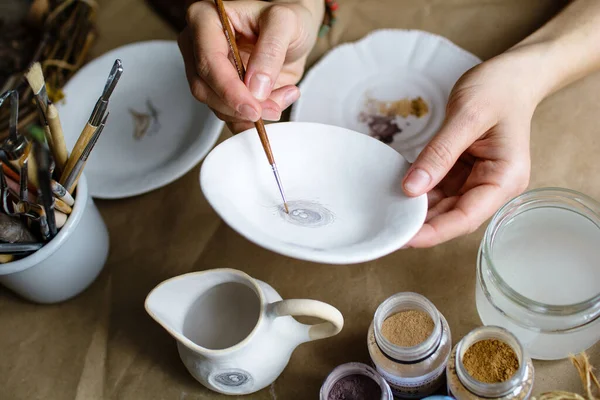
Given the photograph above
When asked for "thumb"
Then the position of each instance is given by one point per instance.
(276, 27)
(459, 131)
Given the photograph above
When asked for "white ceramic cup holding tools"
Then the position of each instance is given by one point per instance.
(69, 263)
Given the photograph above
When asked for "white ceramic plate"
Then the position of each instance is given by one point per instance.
(152, 91)
(386, 65)
(343, 188)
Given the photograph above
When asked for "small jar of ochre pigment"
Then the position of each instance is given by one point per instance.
(489, 363)
(409, 343)
(355, 381)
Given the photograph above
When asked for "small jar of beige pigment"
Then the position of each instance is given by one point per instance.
(489, 363)
(409, 343)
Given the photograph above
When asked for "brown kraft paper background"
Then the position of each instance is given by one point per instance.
(102, 345)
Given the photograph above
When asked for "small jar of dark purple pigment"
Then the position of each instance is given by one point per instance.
(355, 381)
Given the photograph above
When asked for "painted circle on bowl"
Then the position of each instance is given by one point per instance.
(307, 214)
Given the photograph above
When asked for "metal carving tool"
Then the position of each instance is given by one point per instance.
(44, 161)
(73, 178)
(16, 148)
(94, 121)
(17, 248)
(260, 125)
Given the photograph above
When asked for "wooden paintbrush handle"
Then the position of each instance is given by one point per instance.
(62, 206)
(264, 139)
(239, 65)
(84, 138)
(59, 148)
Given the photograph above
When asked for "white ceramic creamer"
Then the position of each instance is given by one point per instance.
(234, 333)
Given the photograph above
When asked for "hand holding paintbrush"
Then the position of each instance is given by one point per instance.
(260, 125)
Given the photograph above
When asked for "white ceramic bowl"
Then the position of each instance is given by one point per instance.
(153, 93)
(343, 187)
(385, 65)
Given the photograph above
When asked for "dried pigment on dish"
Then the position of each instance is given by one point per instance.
(491, 361)
(355, 387)
(382, 117)
(408, 328)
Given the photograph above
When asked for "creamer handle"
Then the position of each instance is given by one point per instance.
(334, 321)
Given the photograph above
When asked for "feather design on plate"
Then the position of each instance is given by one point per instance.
(145, 122)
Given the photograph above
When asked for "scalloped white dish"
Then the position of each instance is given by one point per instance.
(343, 190)
(156, 130)
(386, 66)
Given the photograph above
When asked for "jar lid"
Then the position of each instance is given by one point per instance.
(355, 368)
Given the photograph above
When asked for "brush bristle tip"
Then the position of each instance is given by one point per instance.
(35, 77)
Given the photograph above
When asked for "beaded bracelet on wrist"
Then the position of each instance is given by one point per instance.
(331, 7)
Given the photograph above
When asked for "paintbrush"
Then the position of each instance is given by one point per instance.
(35, 77)
(59, 148)
(73, 178)
(260, 125)
(42, 157)
(94, 121)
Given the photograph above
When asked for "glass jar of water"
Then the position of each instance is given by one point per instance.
(538, 272)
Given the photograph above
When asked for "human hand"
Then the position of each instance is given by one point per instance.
(274, 40)
(480, 157)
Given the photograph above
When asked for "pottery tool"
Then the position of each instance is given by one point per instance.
(73, 178)
(260, 125)
(16, 147)
(94, 121)
(61, 193)
(61, 219)
(35, 212)
(15, 248)
(5, 195)
(10, 173)
(59, 148)
(61, 206)
(12, 185)
(13, 230)
(6, 258)
(42, 157)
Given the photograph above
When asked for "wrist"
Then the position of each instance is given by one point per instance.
(540, 72)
